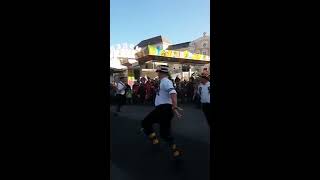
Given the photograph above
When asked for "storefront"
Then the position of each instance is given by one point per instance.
(116, 73)
(131, 65)
(154, 54)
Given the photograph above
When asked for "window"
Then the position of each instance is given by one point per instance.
(204, 52)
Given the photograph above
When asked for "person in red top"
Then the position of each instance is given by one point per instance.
(152, 91)
(148, 91)
(142, 91)
(135, 89)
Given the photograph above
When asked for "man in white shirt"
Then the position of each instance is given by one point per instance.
(121, 91)
(166, 106)
(204, 92)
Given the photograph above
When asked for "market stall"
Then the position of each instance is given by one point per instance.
(116, 69)
(172, 58)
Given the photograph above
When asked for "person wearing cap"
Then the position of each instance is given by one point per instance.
(204, 92)
(165, 107)
(121, 93)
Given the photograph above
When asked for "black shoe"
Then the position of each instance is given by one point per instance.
(176, 152)
(154, 139)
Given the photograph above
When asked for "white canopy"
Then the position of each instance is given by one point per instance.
(115, 64)
(119, 52)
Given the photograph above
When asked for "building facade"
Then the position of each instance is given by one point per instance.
(148, 69)
(197, 46)
(201, 45)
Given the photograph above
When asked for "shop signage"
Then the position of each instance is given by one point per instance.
(153, 50)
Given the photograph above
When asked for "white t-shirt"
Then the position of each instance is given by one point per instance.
(204, 92)
(121, 88)
(163, 92)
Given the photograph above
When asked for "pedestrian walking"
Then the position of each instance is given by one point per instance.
(121, 93)
(165, 107)
(204, 92)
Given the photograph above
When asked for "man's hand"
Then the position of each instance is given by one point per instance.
(175, 110)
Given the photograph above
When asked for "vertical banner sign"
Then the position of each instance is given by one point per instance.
(130, 77)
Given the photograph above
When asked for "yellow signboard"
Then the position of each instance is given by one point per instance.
(185, 54)
(176, 54)
(152, 50)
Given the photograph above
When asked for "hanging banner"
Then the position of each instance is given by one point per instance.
(153, 50)
(176, 54)
(130, 77)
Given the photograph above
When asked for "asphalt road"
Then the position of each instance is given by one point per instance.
(134, 158)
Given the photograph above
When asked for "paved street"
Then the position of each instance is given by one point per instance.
(134, 158)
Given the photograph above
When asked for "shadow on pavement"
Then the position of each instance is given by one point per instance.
(136, 157)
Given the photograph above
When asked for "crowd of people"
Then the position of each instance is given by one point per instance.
(144, 91)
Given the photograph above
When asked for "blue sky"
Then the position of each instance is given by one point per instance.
(132, 21)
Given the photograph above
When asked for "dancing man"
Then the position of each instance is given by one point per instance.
(165, 107)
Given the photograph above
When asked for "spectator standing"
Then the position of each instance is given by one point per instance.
(204, 92)
(121, 91)
(142, 92)
(129, 94)
(135, 89)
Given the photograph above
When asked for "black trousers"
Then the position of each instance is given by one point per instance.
(207, 110)
(121, 100)
(161, 115)
(142, 98)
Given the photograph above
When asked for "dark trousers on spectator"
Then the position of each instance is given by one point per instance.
(129, 101)
(198, 102)
(142, 98)
(161, 115)
(135, 99)
(121, 100)
(207, 110)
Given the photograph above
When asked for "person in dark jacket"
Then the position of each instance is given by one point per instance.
(142, 93)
